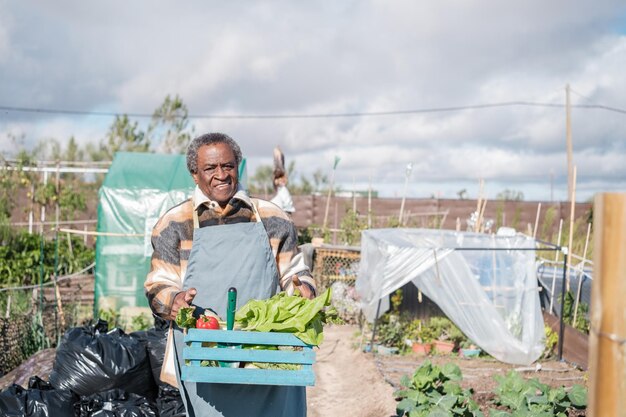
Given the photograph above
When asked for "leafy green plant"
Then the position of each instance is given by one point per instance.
(396, 300)
(111, 316)
(435, 391)
(529, 398)
(351, 227)
(20, 256)
(582, 322)
(442, 328)
(391, 334)
(140, 322)
(552, 338)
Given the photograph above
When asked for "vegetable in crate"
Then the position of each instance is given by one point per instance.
(289, 314)
(185, 318)
(207, 320)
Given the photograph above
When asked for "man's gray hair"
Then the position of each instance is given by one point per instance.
(210, 139)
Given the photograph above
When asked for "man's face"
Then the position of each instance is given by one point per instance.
(217, 172)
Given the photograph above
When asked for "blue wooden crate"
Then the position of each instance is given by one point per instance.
(194, 352)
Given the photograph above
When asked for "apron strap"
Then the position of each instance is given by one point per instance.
(196, 222)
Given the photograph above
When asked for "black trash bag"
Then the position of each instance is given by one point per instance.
(40, 400)
(115, 403)
(154, 341)
(89, 360)
(169, 402)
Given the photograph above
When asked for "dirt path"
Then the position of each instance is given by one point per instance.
(347, 381)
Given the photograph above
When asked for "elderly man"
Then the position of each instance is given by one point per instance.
(222, 238)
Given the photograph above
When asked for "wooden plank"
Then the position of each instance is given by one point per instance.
(575, 343)
(303, 377)
(233, 356)
(229, 353)
(243, 337)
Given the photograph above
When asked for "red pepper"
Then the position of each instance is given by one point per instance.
(207, 322)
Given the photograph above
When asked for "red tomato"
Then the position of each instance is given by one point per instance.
(205, 322)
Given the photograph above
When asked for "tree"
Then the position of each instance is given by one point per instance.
(123, 135)
(320, 180)
(262, 182)
(510, 195)
(170, 126)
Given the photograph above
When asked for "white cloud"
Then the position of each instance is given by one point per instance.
(348, 57)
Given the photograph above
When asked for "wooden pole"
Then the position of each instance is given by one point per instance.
(58, 191)
(407, 174)
(369, 206)
(481, 215)
(571, 230)
(353, 196)
(607, 338)
(571, 176)
(479, 203)
(330, 190)
(536, 221)
(556, 258)
(581, 272)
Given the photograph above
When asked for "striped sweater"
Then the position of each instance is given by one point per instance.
(173, 234)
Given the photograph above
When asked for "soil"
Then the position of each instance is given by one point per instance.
(348, 382)
(354, 383)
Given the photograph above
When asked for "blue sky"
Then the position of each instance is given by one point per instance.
(298, 58)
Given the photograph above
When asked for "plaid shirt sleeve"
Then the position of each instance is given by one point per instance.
(171, 242)
(283, 239)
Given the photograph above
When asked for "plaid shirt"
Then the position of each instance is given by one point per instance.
(173, 234)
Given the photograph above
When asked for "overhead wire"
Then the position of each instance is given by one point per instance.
(6, 108)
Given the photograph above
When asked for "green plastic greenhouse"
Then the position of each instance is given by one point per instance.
(137, 190)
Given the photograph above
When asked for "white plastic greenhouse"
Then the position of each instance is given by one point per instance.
(486, 284)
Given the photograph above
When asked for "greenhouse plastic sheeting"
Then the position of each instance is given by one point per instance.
(137, 190)
(491, 295)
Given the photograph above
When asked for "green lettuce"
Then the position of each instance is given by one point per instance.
(288, 314)
(185, 318)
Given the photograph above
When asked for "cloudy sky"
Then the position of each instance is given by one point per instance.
(429, 67)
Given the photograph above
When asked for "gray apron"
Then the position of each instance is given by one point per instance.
(237, 255)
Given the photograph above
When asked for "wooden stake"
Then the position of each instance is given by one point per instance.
(536, 221)
(59, 302)
(369, 204)
(69, 244)
(479, 202)
(571, 170)
(581, 274)
(571, 231)
(556, 258)
(481, 215)
(607, 338)
(330, 190)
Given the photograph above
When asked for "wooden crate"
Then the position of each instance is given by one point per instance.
(194, 352)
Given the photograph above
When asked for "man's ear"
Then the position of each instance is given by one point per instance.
(195, 177)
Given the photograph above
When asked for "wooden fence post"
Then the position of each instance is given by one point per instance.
(607, 338)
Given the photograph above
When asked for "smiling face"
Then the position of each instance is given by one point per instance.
(216, 175)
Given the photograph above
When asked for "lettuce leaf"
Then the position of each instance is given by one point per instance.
(185, 318)
(288, 314)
